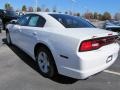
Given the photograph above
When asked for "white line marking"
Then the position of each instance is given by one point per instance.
(112, 72)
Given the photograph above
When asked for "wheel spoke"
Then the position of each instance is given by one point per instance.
(43, 62)
(41, 56)
(45, 57)
(46, 68)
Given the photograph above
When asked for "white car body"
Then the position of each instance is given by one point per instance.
(66, 42)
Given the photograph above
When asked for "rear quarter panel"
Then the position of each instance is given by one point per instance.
(62, 44)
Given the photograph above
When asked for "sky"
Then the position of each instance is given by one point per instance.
(81, 6)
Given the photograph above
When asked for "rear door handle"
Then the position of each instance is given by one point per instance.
(20, 30)
(34, 33)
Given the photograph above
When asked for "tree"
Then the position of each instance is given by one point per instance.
(66, 12)
(88, 15)
(47, 10)
(95, 15)
(30, 9)
(55, 9)
(24, 8)
(38, 9)
(8, 7)
(117, 16)
(78, 14)
(106, 16)
(100, 16)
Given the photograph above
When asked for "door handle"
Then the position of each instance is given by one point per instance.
(34, 33)
(20, 30)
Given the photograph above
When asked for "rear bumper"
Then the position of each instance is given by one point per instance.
(92, 62)
(81, 74)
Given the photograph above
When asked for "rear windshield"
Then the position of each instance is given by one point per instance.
(71, 21)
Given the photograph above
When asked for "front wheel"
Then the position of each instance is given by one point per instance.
(46, 63)
(1, 25)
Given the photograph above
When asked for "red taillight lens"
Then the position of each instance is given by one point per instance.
(86, 46)
(89, 45)
(94, 44)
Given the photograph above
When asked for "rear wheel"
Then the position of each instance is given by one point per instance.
(8, 38)
(46, 63)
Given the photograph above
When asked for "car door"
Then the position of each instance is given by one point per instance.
(14, 32)
(18, 30)
(29, 33)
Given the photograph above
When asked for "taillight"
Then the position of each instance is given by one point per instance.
(89, 45)
(94, 44)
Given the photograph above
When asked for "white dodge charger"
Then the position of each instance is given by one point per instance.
(63, 44)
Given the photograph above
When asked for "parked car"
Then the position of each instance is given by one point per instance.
(20, 13)
(6, 16)
(1, 25)
(64, 44)
(112, 25)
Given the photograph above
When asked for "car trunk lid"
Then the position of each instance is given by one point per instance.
(89, 33)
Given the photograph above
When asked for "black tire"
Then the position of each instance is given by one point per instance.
(8, 38)
(4, 26)
(1, 28)
(1, 25)
(52, 70)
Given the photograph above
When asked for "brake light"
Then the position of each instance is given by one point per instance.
(86, 46)
(89, 45)
(94, 44)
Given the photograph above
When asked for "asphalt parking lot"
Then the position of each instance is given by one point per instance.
(19, 72)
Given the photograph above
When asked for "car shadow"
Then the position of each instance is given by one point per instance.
(30, 62)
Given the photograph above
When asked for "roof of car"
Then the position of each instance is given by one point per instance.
(43, 13)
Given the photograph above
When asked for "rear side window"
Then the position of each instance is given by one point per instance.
(71, 21)
(41, 22)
